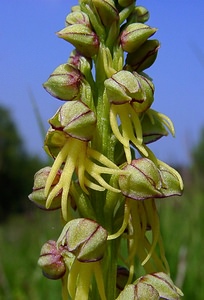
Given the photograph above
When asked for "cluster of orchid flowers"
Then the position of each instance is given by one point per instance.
(104, 177)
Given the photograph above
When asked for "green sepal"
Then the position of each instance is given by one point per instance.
(147, 180)
(163, 284)
(64, 83)
(75, 119)
(139, 292)
(84, 238)
(123, 87)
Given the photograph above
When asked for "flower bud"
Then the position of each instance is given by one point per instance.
(75, 119)
(142, 14)
(64, 83)
(144, 57)
(139, 15)
(125, 3)
(162, 283)
(134, 35)
(51, 260)
(37, 196)
(75, 8)
(138, 292)
(78, 17)
(107, 11)
(123, 87)
(85, 239)
(82, 37)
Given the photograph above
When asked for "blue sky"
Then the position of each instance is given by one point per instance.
(30, 51)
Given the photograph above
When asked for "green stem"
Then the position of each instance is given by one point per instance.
(111, 271)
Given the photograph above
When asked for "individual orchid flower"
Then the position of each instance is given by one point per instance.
(67, 141)
(130, 94)
(86, 241)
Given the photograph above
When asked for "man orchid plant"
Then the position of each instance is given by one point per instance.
(104, 177)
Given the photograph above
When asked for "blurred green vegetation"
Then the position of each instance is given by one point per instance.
(22, 236)
(25, 228)
(16, 168)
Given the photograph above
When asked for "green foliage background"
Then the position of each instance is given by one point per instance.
(22, 236)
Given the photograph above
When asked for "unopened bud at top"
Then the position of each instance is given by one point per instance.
(125, 3)
(139, 15)
(107, 11)
(78, 17)
(134, 35)
(82, 37)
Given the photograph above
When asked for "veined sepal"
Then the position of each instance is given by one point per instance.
(84, 238)
(64, 83)
(82, 37)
